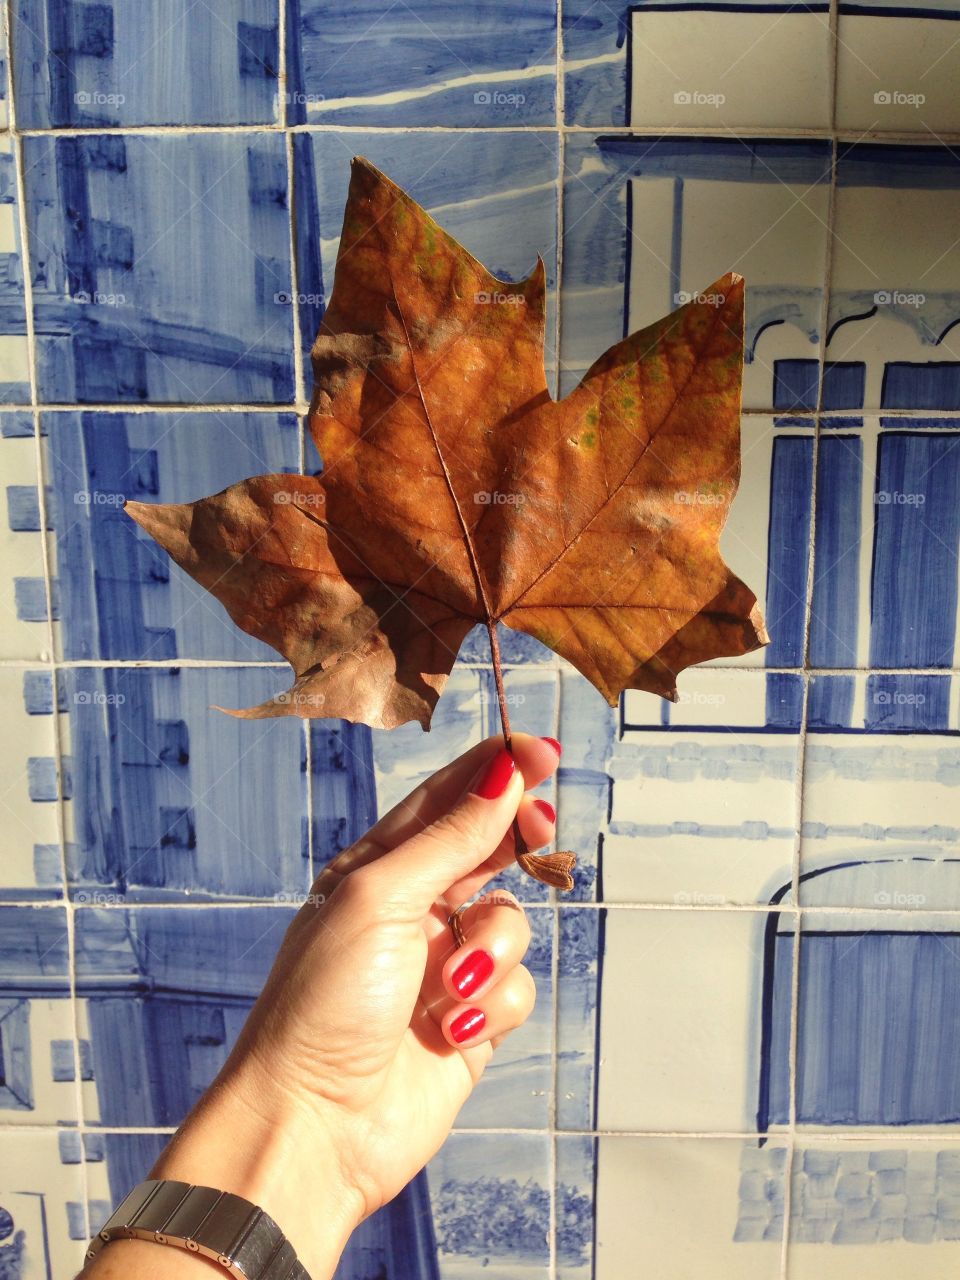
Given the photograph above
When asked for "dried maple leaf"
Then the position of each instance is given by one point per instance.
(456, 491)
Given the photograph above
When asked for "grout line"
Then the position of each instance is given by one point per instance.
(302, 407)
(45, 551)
(689, 129)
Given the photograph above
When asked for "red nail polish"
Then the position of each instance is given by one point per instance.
(496, 777)
(472, 973)
(552, 742)
(467, 1024)
(547, 809)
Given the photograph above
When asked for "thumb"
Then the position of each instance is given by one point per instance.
(422, 868)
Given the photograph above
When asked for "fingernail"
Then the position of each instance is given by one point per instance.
(495, 778)
(467, 1024)
(547, 809)
(552, 742)
(472, 973)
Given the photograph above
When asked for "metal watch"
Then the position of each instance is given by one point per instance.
(230, 1230)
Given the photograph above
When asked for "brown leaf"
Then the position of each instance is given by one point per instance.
(456, 491)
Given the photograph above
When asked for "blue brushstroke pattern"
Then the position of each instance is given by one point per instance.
(834, 614)
(161, 268)
(791, 482)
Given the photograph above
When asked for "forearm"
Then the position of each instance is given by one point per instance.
(253, 1151)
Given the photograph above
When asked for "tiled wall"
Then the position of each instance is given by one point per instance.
(744, 1058)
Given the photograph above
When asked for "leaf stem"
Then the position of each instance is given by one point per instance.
(520, 845)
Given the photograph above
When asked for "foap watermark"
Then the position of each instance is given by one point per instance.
(297, 498)
(498, 98)
(700, 497)
(297, 698)
(485, 298)
(698, 98)
(699, 698)
(296, 98)
(894, 498)
(494, 498)
(897, 698)
(98, 299)
(97, 898)
(694, 898)
(511, 699)
(299, 899)
(898, 298)
(898, 98)
(284, 299)
(94, 98)
(97, 698)
(682, 297)
(894, 898)
(98, 498)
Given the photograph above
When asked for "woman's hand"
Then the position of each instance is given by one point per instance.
(373, 1027)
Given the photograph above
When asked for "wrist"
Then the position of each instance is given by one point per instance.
(254, 1141)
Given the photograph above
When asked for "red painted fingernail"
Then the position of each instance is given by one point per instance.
(547, 809)
(496, 776)
(552, 742)
(472, 973)
(467, 1024)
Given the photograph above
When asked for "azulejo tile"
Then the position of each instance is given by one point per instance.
(165, 792)
(119, 594)
(887, 538)
(896, 63)
(161, 268)
(689, 1206)
(662, 1028)
(700, 65)
(31, 866)
(162, 994)
(42, 1206)
(24, 631)
(881, 775)
(864, 1195)
(576, 1158)
(14, 358)
(466, 179)
(124, 63)
(38, 1047)
(492, 66)
(725, 66)
(893, 296)
(651, 222)
(703, 792)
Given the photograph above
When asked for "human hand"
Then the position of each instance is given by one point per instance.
(373, 1028)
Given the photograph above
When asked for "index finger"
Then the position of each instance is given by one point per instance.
(537, 759)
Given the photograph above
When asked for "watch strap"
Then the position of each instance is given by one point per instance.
(245, 1241)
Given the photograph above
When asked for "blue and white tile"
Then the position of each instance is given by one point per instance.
(703, 792)
(729, 66)
(894, 296)
(877, 1023)
(43, 1223)
(651, 222)
(494, 191)
(576, 1157)
(14, 354)
(4, 72)
(859, 1206)
(491, 66)
(161, 268)
(38, 1050)
(701, 65)
(166, 793)
(126, 63)
(119, 594)
(490, 1199)
(896, 64)
(881, 817)
(24, 630)
(688, 1206)
(666, 1031)
(30, 865)
(162, 994)
(887, 541)
(586, 729)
